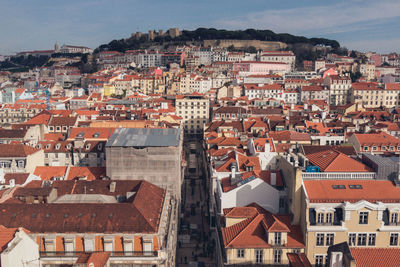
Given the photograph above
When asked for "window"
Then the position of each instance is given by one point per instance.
(278, 238)
(393, 218)
(363, 219)
(320, 240)
(259, 256)
(49, 245)
(20, 163)
(394, 238)
(329, 218)
(89, 245)
(329, 239)
(319, 260)
(352, 239)
(240, 253)
(108, 244)
(277, 256)
(69, 244)
(371, 239)
(362, 240)
(320, 218)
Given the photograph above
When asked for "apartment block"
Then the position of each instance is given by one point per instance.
(195, 112)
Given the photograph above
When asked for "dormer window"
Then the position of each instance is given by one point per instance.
(383, 148)
(374, 148)
(278, 238)
(58, 146)
(391, 148)
(69, 146)
(100, 146)
(88, 146)
(47, 146)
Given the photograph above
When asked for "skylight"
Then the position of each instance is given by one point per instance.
(338, 186)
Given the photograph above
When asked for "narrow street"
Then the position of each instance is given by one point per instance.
(194, 245)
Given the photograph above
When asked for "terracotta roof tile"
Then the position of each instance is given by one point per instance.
(298, 260)
(250, 233)
(50, 172)
(6, 236)
(371, 190)
(94, 259)
(16, 150)
(89, 173)
(378, 138)
(371, 257)
(335, 161)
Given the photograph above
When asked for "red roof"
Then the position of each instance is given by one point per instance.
(39, 119)
(298, 260)
(251, 232)
(89, 173)
(263, 175)
(392, 86)
(6, 236)
(372, 257)
(53, 137)
(16, 150)
(50, 172)
(94, 259)
(381, 138)
(97, 133)
(289, 136)
(335, 161)
(369, 190)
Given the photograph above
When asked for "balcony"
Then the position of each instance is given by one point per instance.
(130, 254)
(339, 175)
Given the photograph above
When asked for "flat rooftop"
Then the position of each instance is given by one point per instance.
(144, 137)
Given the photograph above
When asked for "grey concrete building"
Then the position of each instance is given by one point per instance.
(154, 155)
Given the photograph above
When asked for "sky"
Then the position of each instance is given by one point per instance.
(364, 25)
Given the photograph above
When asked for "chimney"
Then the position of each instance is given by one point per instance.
(233, 170)
(2, 180)
(112, 186)
(336, 259)
(273, 178)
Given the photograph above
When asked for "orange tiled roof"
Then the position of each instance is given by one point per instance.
(335, 161)
(6, 235)
(371, 257)
(16, 150)
(251, 232)
(90, 173)
(298, 260)
(371, 190)
(244, 161)
(50, 172)
(376, 139)
(94, 259)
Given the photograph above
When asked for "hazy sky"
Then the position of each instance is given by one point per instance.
(366, 25)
